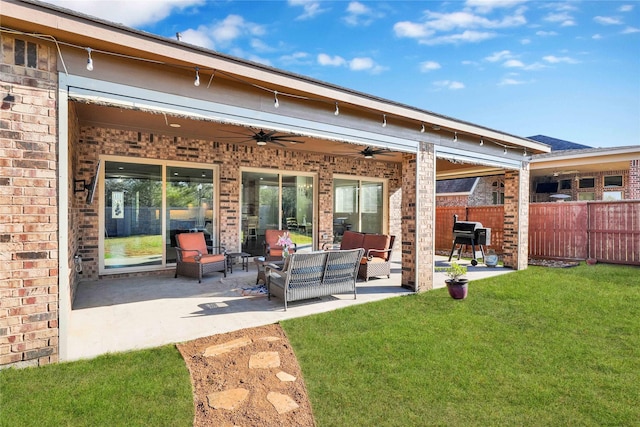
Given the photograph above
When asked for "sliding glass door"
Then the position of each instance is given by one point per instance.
(276, 201)
(145, 205)
(358, 205)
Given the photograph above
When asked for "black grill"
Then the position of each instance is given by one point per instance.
(469, 233)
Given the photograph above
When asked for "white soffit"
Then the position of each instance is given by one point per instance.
(475, 158)
(115, 94)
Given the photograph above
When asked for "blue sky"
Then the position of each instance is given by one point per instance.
(568, 69)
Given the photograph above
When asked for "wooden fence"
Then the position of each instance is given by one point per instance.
(606, 231)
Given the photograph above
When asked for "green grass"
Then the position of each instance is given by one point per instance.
(537, 347)
(543, 347)
(141, 388)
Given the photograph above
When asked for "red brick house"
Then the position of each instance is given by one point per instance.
(105, 140)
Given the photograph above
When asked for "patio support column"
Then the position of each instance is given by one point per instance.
(634, 180)
(418, 215)
(516, 218)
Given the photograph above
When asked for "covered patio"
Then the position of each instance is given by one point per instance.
(114, 315)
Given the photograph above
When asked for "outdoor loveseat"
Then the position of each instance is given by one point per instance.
(377, 252)
(315, 274)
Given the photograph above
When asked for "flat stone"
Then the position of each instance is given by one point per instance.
(270, 339)
(284, 377)
(281, 402)
(226, 347)
(264, 360)
(228, 399)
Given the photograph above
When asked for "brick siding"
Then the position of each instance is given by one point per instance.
(29, 210)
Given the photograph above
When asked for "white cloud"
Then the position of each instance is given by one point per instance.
(465, 37)
(411, 30)
(596, 37)
(359, 14)
(311, 8)
(560, 59)
(358, 64)
(499, 56)
(224, 32)
(607, 20)
(335, 61)
(427, 66)
(625, 8)
(525, 41)
(484, 6)
(510, 81)
(126, 12)
(631, 30)
(462, 26)
(546, 33)
(448, 84)
(513, 63)
(563, 18)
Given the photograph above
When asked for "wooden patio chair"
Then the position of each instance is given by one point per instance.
(194, 259)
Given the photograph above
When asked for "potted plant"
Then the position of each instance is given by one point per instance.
(457, 285)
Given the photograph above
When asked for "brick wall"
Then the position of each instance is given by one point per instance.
(93, 141)
(633, 188)
(516, 219)
(28, 207)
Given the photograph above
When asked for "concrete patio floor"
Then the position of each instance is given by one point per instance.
(115, 315)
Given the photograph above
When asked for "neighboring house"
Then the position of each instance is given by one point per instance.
(569, 172)
(107, 142)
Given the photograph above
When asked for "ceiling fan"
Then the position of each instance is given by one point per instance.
(370, 153)
(263, 138)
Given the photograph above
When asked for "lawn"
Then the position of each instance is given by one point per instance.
(536, 347)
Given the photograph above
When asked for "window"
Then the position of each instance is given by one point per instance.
(587, 196)
(497, 194)
(587, 183)
(612, 195)
(26, 53)
(565, 184)
(613, 181)
(145, 204)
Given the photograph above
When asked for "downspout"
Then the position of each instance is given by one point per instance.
(64, 294)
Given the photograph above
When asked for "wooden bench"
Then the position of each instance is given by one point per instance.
(315, 274)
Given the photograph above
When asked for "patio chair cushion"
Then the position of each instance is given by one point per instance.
(190, 243)
(352, 240)
(205, 259)
(377, 241)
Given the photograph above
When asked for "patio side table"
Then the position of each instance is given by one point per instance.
(244, 256)
(261, 263)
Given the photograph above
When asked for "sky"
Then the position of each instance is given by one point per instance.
(566, 69)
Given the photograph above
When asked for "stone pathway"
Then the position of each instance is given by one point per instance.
(269, 360)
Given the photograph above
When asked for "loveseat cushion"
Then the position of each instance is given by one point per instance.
(377, 241)
(352, 240)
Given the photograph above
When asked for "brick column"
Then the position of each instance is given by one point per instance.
(634, 180)
(28, 206)
(516, 218)
(418, 216)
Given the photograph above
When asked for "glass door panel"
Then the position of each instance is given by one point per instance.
(274, 201)
(133, 224)
(189, 205)
(371, 210)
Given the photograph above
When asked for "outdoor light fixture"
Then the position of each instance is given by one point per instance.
(337, 112)
(89, 60)
(384, 120)
(455, 137)
(422, 128)
(504, 152)
(196, 82)
(7, 101)
(481, 142)
(524, 153)
(276, 104)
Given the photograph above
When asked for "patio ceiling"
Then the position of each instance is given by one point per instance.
(159, 123)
